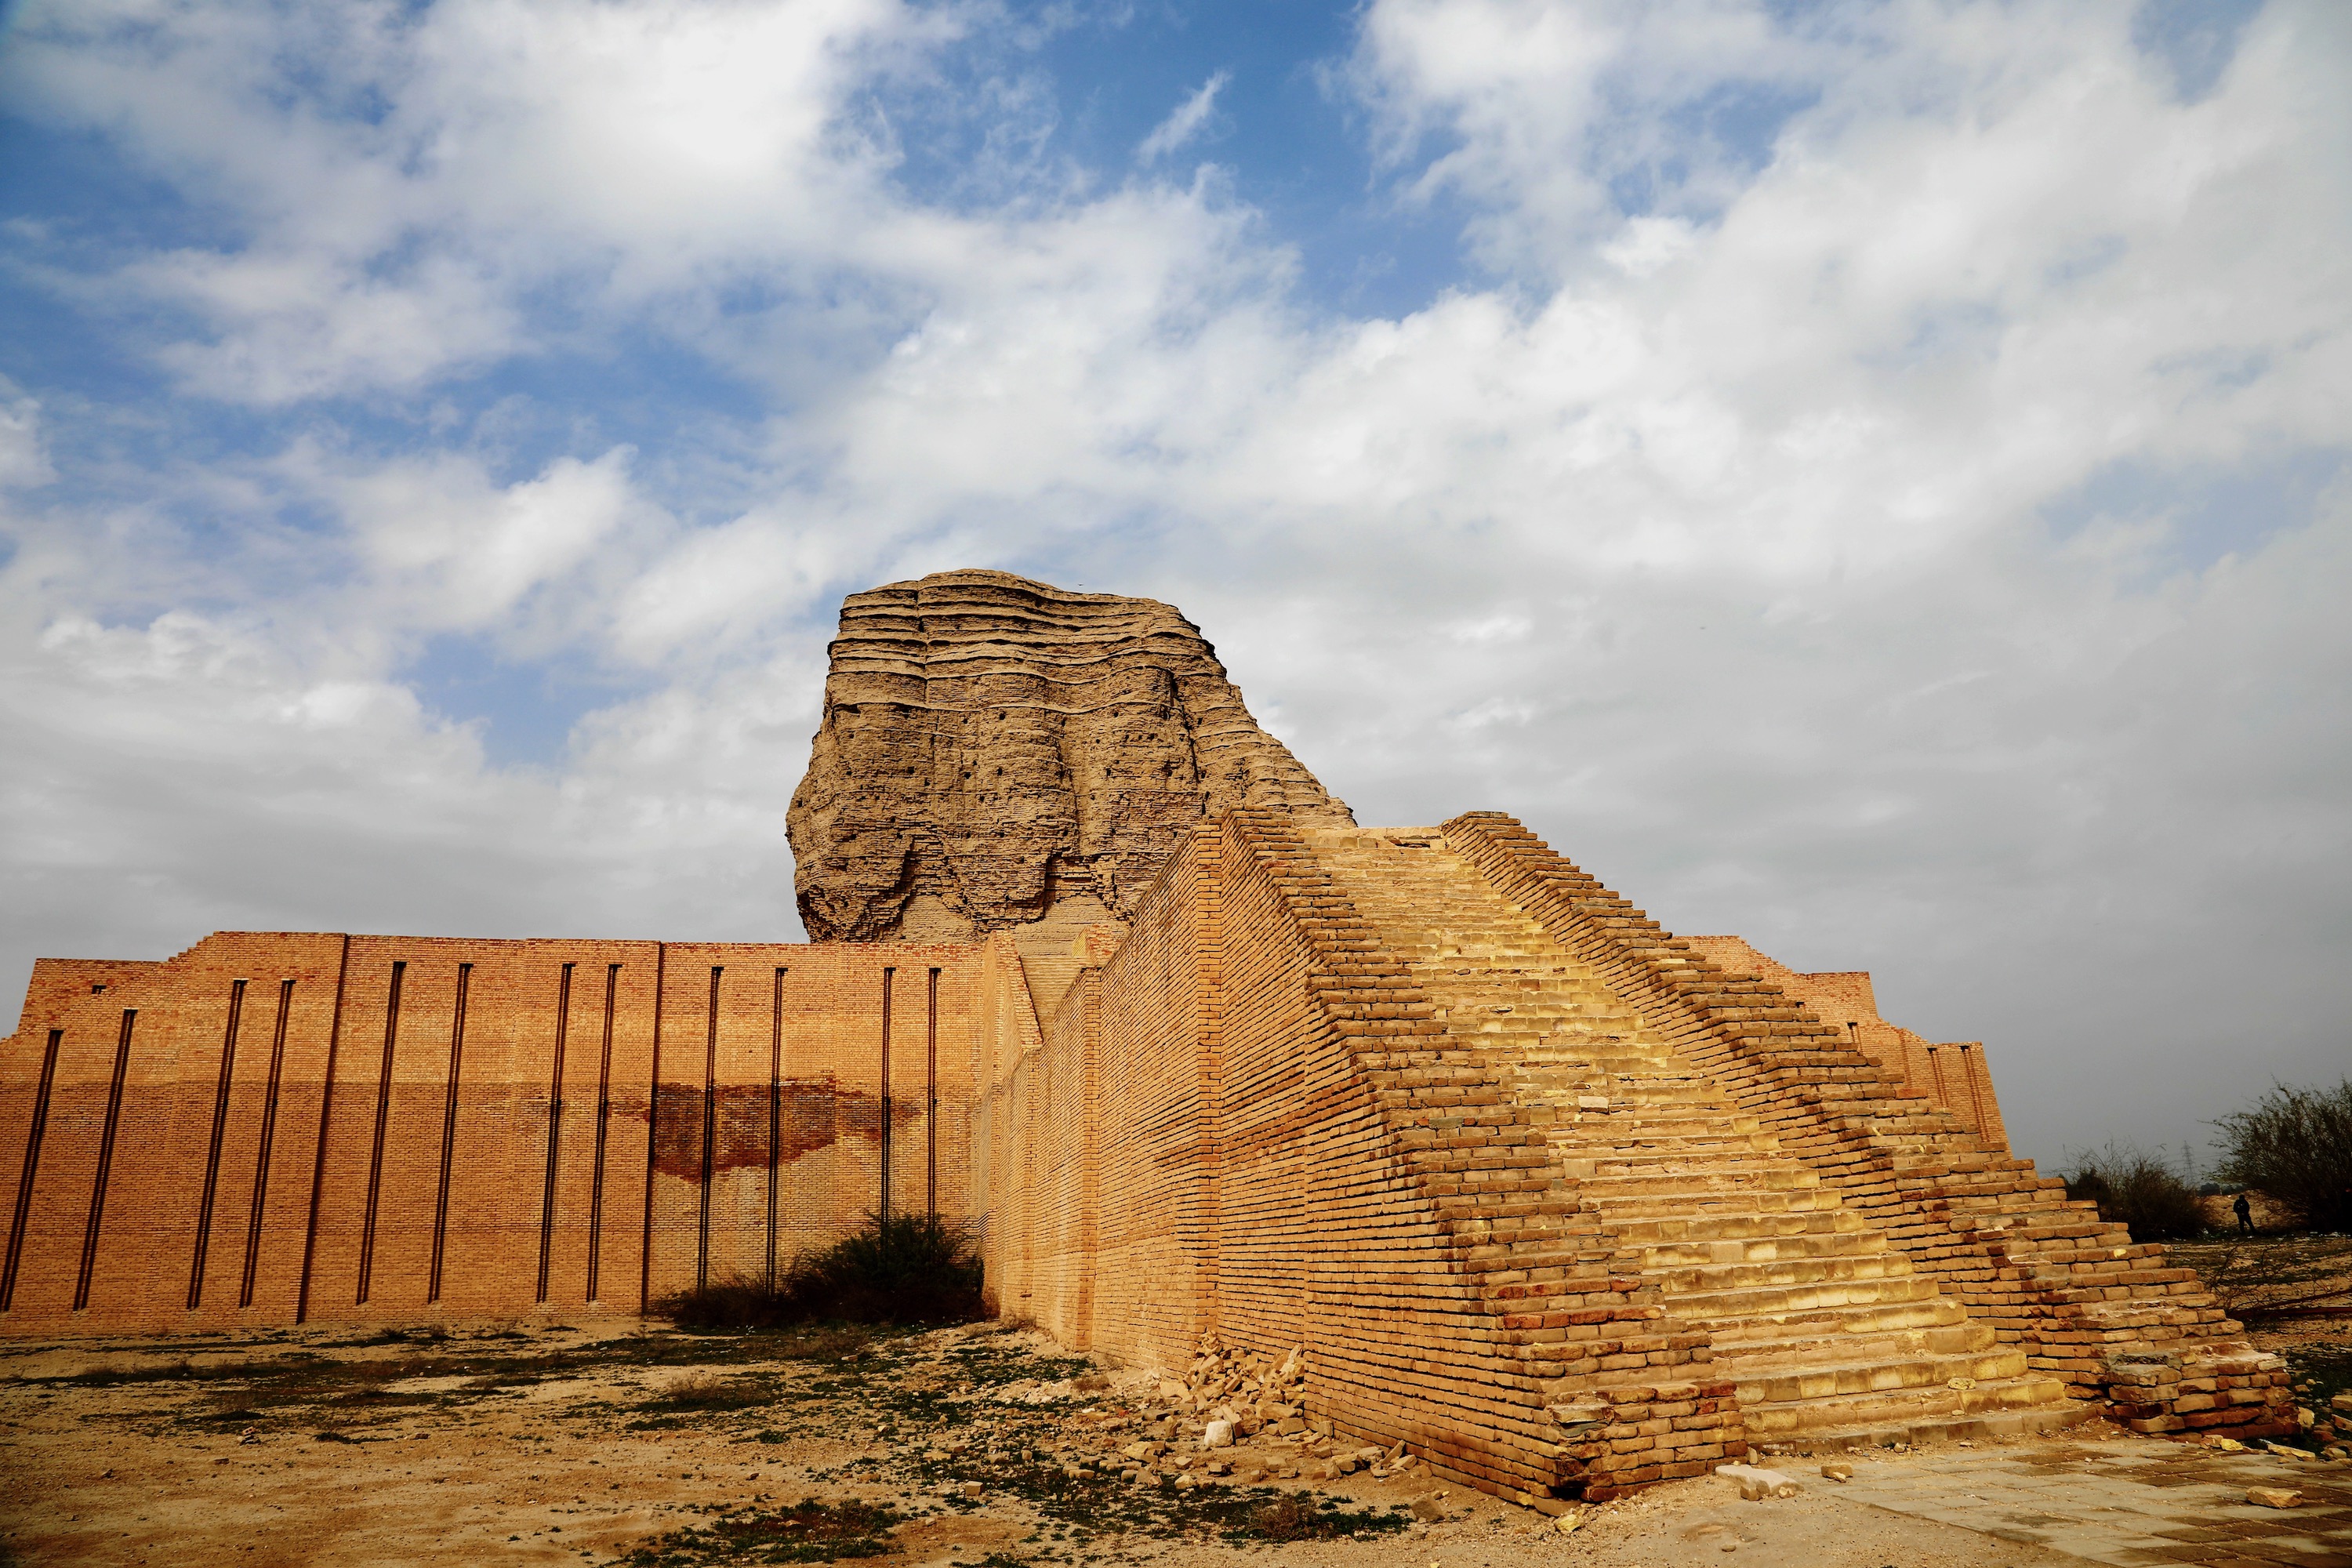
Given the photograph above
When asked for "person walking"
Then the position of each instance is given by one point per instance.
(2245, 1213)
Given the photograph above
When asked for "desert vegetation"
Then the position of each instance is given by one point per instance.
(2138, 1190)
(901, 1270)
(2296, 1144)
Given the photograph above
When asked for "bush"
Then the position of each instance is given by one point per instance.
(2138, 1190)
(897, 1269)
(2297, 1145)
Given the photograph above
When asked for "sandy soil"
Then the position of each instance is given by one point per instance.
(510, 1445)
(520, 1447)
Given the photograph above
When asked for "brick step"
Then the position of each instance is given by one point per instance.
(1765, 1385)
(1829, 1340)
(1559, 1057)
(1776, 1303)
(1536, 1027)
(1721, 1160)
(1591, 1149)
(1986, 1426)
(1684, 1252)
(1905, 1409)
(1643, 1137)
(1678, 1227)
(1637, 1098)
(1714, 1278)
(1631, 1095)
(1761, 1333)
(1639, 1104)
(1784, 1177)
(1623, 1214)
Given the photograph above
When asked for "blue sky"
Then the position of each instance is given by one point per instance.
(1870, 477)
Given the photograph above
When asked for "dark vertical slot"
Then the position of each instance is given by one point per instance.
(319, 1155)
(775, 1112)
(268, 1139)
(449, 1134)
(105, 1161)
(603, 1117)
(709, 1133)
(383, 1120)
(653, 1130)
(554, 1127)
(212, 1157)
(887, 976)
(931, 1102)
(32, 1168)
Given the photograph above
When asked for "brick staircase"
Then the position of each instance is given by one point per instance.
(1826, 1332)
(2123, 1327)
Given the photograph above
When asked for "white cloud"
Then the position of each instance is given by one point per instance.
(23, 462)
(1188, 120)
(453, 551)
(407, 184)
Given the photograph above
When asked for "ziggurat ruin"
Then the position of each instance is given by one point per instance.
(1567, 1204)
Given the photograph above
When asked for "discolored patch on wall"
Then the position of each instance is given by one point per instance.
(811, 1114)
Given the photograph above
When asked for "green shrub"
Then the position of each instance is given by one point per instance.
(2138, 1190)
(897, 1268)
(2297, 1145)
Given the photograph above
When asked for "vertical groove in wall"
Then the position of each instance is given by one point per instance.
(1976, 1105)
(105, 1161)
(319, 1156)
(1210, 979)
(212, 1155)
(653, 1115)
(32, 1168)
(709, 1133)
(554, 1127)
(383, 1119)
(448, 1134)
(603, 1117)
(775, 1111)
(268, 1139)
(931, 1102)
(888, 975)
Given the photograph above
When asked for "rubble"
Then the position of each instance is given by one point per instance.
(1756, 1484)
(1251, 1390)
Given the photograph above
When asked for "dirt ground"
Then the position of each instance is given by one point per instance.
(978, 1446)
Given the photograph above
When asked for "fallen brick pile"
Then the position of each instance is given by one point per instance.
(1245, 1387)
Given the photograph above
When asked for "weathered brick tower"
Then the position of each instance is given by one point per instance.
(1569, 1203)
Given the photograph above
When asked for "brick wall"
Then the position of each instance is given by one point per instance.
(277, 1127)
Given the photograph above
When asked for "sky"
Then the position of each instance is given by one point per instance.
(1870, 478)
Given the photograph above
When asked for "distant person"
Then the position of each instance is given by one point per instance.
(2245, 1213)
